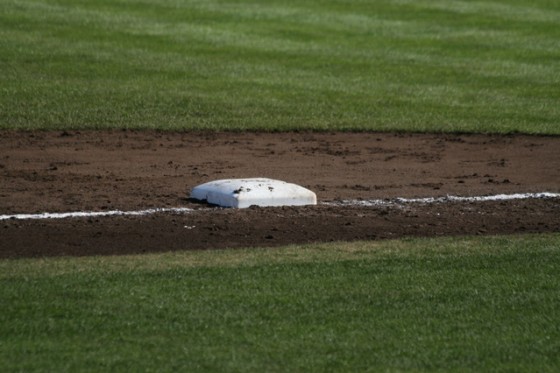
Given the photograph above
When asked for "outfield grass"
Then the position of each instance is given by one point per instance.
(469, 304)
(473, 304)
(412, 65)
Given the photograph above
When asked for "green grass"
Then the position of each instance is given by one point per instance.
(473, 304)
(412, 65)
(468, 304)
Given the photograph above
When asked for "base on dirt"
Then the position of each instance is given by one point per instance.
(242, 193)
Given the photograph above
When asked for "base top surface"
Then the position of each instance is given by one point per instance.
(242, 193)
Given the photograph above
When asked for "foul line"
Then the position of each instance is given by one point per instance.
(343, 203)
(91, 214)
(430, 200)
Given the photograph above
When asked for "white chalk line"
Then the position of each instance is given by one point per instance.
(342, 203)
(432, 200)
(92, 214)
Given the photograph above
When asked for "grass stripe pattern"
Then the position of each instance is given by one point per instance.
(471, 66)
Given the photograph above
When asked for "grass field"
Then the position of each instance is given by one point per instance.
(470, 304)
(475, 66)
(462, 304)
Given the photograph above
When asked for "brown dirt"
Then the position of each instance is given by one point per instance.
(74, 171)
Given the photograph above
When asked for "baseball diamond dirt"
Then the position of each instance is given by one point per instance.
(136, 170)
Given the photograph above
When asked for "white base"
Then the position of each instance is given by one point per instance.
(242, 193)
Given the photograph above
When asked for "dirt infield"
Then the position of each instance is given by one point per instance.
(100, 171)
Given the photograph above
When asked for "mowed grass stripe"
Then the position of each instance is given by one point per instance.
(420, 66)
(467, 304)
(229, 258)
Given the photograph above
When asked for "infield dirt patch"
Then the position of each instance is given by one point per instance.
(97, 171)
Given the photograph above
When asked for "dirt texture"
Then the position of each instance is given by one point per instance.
(129, 170)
